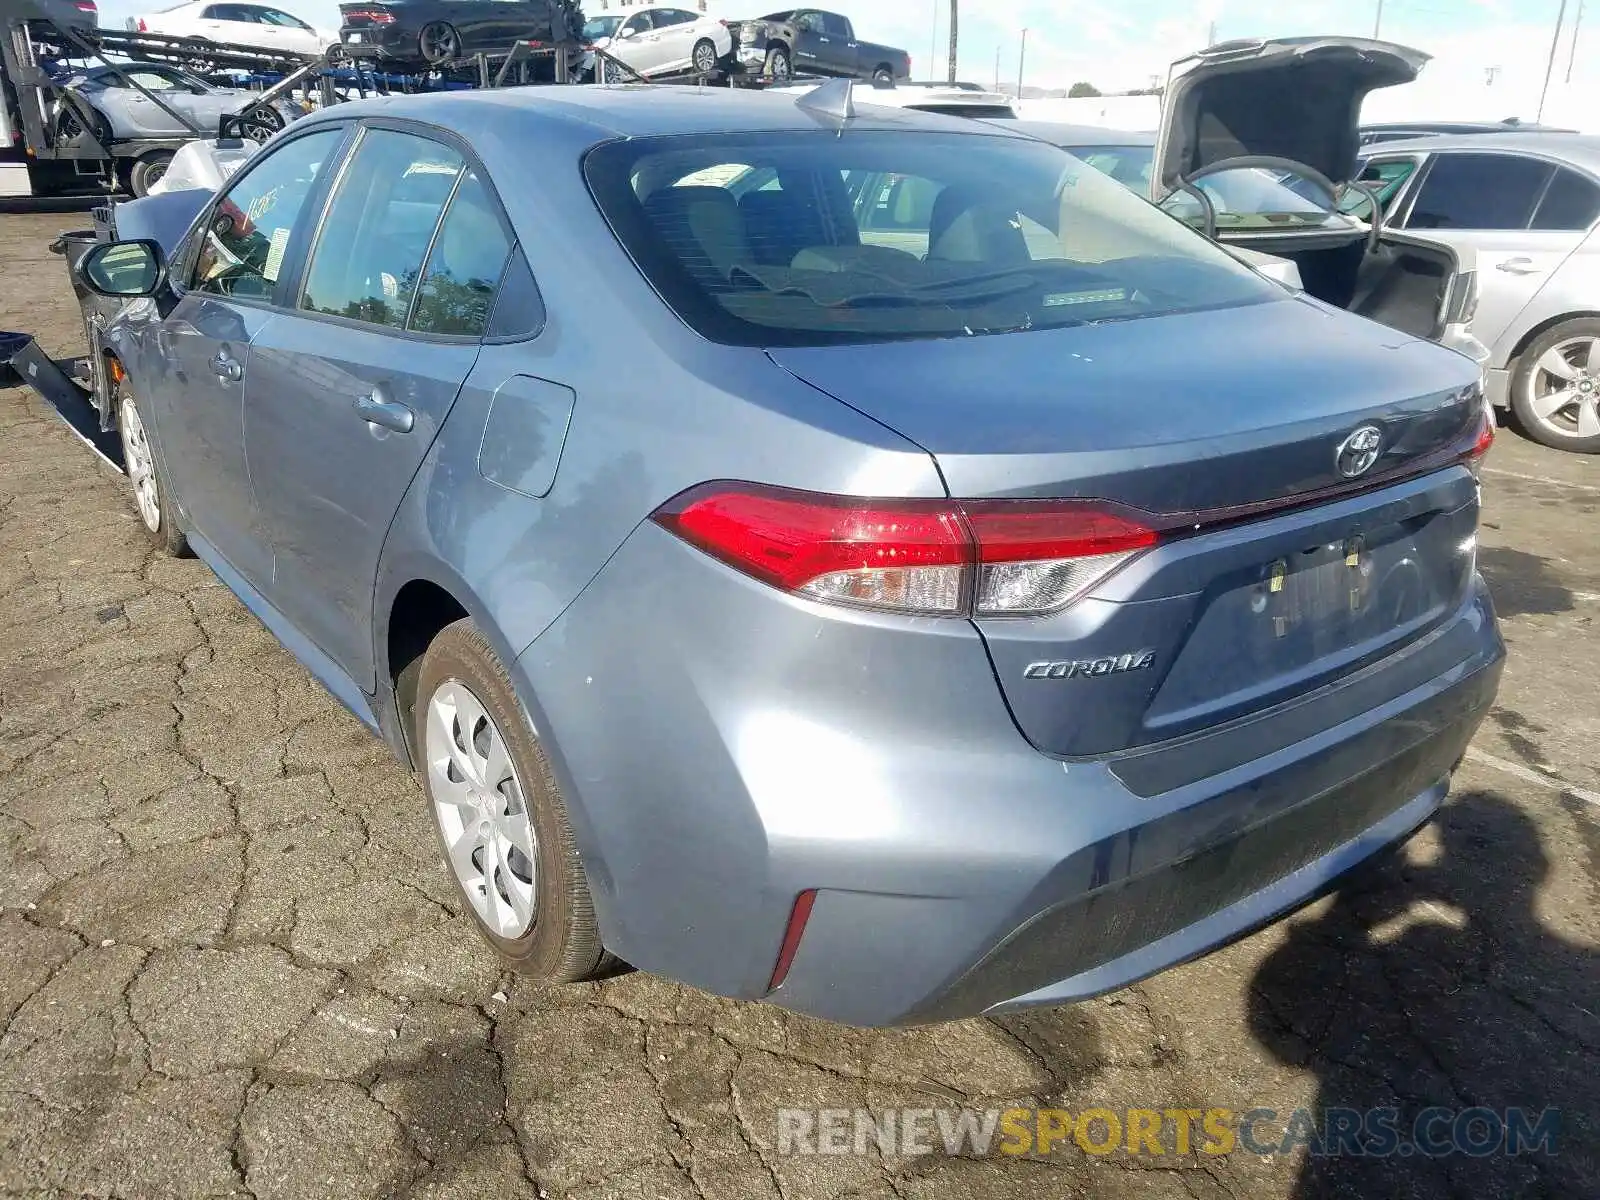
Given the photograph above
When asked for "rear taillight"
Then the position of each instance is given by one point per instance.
(376, 16)
(87, 6)
(991, 558)
(143, 28)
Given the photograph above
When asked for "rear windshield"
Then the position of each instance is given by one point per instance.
(816, 238)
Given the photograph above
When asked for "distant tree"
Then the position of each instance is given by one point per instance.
(1080, 90)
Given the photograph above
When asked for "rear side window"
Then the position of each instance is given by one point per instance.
(887, 235)
(1479, 191)
(378, 228)
(1571, 202)
(464, 265)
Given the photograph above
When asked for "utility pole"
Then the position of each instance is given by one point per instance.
(1577, 24)
(997, 68)
(955, 34)
(1022, 61)
(1377, 21)
(1550, 64)
(933, 40)
(1211, 34)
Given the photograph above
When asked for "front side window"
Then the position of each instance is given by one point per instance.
(369, 253)
(639, 23)
(1479, 191)
(272, 16)
(885, 235)
(1386, 178)
(243, 247)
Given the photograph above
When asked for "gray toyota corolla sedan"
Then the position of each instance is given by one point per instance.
(857, 559)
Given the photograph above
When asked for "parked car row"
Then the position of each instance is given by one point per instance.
(974, 589)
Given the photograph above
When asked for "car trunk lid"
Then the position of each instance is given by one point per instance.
(1285, 559)
(1288, 98)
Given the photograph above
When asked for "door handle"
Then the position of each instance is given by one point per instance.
(1517, 266)
(226, 368)
(378, 411)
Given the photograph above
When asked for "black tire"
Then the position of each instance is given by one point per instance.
(883, 75)
(1558, 430)
(778, 66)
(147, 171)
(162, 529)
(439, 43)
(704, 58)
(260, 122)
(562, 945)
(69, 126)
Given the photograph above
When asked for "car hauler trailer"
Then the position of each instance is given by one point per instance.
(48, 130)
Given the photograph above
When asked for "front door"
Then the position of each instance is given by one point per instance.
(1519, 217)
(204, 356)
(347, 391)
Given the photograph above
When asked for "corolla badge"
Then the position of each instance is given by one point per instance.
(1091, 668)
(1359, 451)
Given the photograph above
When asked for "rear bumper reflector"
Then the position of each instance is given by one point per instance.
(798, 916)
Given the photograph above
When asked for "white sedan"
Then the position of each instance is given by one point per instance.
(661, 40)
(237, 24)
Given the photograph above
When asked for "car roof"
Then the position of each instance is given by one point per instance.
(913, 95)
(1579, 149)
(641, 110)
(1061, 134)
(1462, 127)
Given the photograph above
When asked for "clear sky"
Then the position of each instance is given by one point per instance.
(1494, 49)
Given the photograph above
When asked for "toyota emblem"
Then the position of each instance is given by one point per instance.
(1358, 452)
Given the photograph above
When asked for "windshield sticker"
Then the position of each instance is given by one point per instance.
(280, 240)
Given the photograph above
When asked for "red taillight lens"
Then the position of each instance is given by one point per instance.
(798, 916)
(375, 16)
(143, 28)
(933, 557)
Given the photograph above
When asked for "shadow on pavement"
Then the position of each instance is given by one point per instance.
(1523, 583)
(1469, 1003)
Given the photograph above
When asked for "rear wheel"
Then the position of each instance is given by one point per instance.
(778, 63)
(1555, 387)
(500, 817)
(439, 43)
(704, 56)
(883, 75)
(150, 496)
(147, 171)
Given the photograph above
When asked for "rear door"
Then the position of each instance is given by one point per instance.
(1522, 217)
(348, 390)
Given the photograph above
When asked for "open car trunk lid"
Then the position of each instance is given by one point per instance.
(1280, 564)
(1289, 98)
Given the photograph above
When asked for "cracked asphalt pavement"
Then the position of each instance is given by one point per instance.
(231, 962)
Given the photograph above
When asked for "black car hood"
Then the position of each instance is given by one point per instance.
(1294, 98)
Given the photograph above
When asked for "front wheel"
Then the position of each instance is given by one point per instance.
(1555, 387)
(500, 817)
(439, 43)
(704, 57)
(778, 63)
(150, 495)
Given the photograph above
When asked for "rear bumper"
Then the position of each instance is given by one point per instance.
(735, 748)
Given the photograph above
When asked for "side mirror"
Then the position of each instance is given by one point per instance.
(124, 269)
(626, 32)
